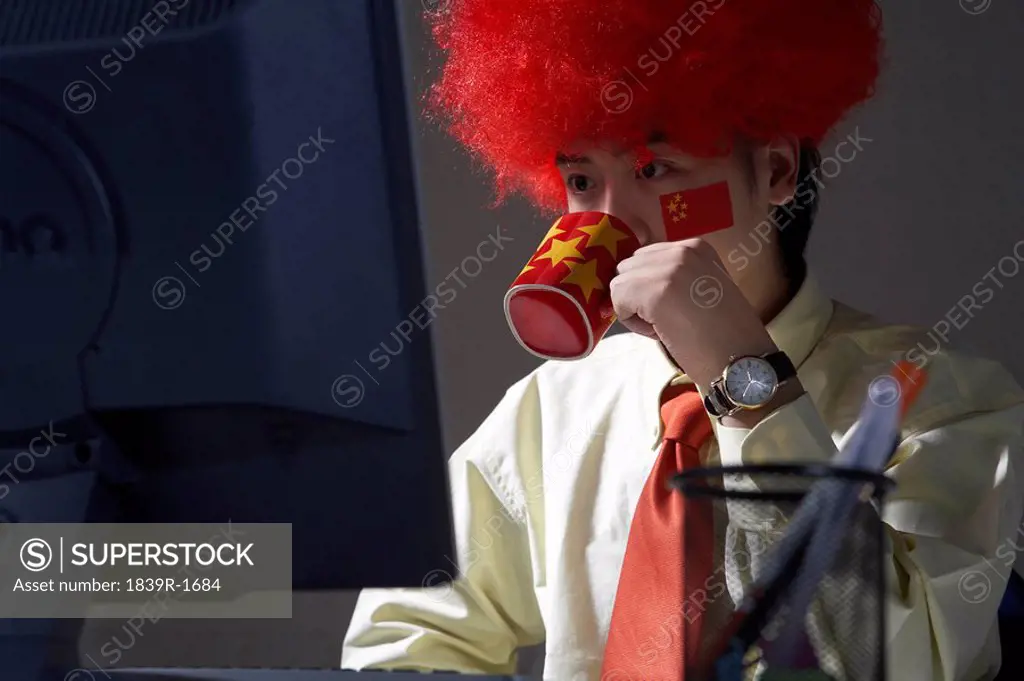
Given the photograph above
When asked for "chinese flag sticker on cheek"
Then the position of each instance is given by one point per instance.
(694, 212)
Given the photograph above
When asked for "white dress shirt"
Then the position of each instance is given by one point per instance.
(544, 491)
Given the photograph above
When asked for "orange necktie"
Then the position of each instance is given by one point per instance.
(652, 633)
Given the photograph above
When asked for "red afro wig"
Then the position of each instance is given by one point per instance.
(525, 79)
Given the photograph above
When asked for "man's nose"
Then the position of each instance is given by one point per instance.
(620, 208)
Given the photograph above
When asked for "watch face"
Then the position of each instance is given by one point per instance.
(750, 381)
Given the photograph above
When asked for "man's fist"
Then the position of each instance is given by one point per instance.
(679, 293)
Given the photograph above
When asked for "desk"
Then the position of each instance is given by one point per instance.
(289, 675)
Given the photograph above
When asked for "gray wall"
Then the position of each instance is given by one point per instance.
(907, 228)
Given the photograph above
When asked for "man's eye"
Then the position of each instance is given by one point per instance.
(653, 170)
(579, 183)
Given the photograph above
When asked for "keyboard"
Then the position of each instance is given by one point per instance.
(171, 674)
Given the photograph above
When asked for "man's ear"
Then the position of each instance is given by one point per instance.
(784, 168)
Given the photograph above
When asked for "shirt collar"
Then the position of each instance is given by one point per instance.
(795, 330)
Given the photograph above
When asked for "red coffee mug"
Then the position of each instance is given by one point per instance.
(559, 306)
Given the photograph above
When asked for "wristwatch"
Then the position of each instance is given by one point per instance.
(748, 382)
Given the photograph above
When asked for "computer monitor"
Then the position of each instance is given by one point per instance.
(210, 267)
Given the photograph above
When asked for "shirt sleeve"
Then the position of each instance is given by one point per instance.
(472, 617)
(953, 523)
(954, 520)
(794, 432)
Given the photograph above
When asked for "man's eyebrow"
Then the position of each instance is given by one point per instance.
(563, 159)
(570, 159)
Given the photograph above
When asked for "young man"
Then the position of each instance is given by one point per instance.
(552, 493)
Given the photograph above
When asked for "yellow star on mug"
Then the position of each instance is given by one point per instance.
(554, 231)
(584, 275)
(560, 250)
(603, 234)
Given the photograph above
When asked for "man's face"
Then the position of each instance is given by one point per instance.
(599, 178)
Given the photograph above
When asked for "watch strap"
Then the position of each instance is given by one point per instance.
(717, 403)
(782, 364)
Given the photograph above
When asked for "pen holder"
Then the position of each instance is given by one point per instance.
(745, 597)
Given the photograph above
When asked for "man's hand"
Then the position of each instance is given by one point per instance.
(679, 293)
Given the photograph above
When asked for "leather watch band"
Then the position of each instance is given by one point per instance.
(716, 402)
(783, 365)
